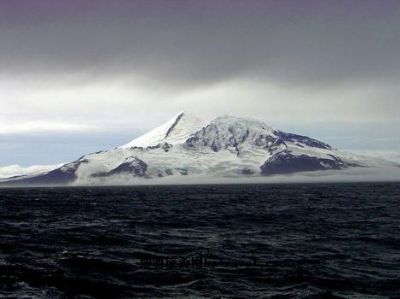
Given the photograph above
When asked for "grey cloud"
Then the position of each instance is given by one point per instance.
(197, 42)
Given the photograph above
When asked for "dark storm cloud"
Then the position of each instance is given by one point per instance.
(197, 42)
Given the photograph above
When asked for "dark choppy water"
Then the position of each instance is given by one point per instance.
(305, 241)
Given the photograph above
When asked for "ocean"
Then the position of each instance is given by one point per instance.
(229, 241)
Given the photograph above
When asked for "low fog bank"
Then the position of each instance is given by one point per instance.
(357, 174)
(393, 155)
(351, 175)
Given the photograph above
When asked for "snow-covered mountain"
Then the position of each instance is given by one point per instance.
(185, 146)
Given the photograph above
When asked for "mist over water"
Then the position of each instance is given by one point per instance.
(332, 240)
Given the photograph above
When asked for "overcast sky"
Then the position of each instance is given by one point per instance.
(79, 76)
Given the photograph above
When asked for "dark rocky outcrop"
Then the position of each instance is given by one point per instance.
(133, 166)
(299, 139)
(285, 163)
(177, 120)
(165, 146)
(183, 171)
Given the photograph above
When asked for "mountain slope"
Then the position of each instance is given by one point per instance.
(14, 171)
(185, 146)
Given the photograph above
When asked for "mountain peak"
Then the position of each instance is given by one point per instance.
(243, 121)
(241, 125)
(175, 130)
